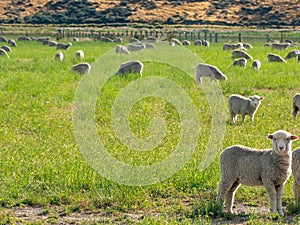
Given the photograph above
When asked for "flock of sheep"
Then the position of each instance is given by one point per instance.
(272, 167)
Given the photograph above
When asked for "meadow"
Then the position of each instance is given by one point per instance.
(43, 168)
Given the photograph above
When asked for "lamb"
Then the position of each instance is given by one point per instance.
(120, 49)
(176, 41)
(296, 104)
(149, 46)
(227, 46)
(238, 104)
(256, 64)
(118, 40)
(206, 70)
(59, 56)
(253, 167)
(186, 43)
(131, 67)
(79, 54)
(134, 40)
(240, 54)
(240, 62)
(292, 54)
(275, 58)
(6, 48)
(205, 43)
(64, 46)
(280, 46)
(81, 68)
(247, 45)
(136, 47)
(296, 175)
(3, 39)
(4, 53)
(12, 43)
(75, 39)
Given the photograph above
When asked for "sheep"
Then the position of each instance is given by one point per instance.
(120, 49)
(275, 58)
(240, 62)
(152, 39)
(6, 48)
(24, 38)
(172, 44)
(296, 175)
(136, 47)
(292, 54)
(118, 40)
(12, 43)
(81, 68)
(206, 70)
(42, 39)
(267, 45)
(186, 43)
(176, 41)
(227, 46)
(256, 64)
(296, 104)
(148, 46)
(75, 39)
(4, 53)
(252, 167)
(198, 42)
(280, 46)
(130, 67)
(45, 42)
(205, 43)
(134, 40)
(240, 54)
(79, 54)
(106, 39)
(59, 56)
(238, 104)
(247, 45)
(52, 43)
(3, 39)
(64, 46)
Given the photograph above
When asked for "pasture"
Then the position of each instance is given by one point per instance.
(43, 171)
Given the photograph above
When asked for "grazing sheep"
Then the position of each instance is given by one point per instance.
(75, 39)
(296, 104)
(256, 64)
(152, 39)
(118, 40)
(4, 53)
(267, 45)
(296, 175)
(81, 68)
(172, 44)
(6, 48)
(253, 167)
(238, 104)
(52, 43)
(131, 67)
(79, 54)
(205, 43)
(24, 38)
(106, 39)
(63, 46)
(148, 46)
(136, 47)
(227, 46)
(12, 43)
(120, 49)
(186, 43)
(59, 56)
(240, 54)
(176, 41)
(45, 42)
(198, 42)
(292, 54)
(134, 40)
(247, 45)
(206, 70)
(240, 62)
(42, 39)
(280, 46)
(3, 39)
(275, 58)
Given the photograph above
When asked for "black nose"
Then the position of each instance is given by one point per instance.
(280, 147)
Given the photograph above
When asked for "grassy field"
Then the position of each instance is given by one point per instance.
(44, 172)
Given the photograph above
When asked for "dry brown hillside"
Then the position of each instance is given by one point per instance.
(225, 12)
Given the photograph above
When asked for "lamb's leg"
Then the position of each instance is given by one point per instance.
(295, 110)
(252, 117)
(279, 190)
(230, 196)
(296, 192)
(272, 195)
(243, 117)
(224, 186)
(232, 116)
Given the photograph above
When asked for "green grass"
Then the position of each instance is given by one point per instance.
(41, 165)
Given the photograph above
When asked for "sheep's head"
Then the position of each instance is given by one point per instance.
(282, 141)
(256, 100)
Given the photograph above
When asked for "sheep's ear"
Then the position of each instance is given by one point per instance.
(294, 137)
(270, 136)
(261, 98)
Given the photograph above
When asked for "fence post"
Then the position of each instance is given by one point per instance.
(216, 37)
(210, 37)
(240, 37)
(205, 35)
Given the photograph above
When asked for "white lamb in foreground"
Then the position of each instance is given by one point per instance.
(238, 104)
(206, 70)
(253, 167)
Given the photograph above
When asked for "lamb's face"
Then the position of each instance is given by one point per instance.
(282, 141)
(255, 100)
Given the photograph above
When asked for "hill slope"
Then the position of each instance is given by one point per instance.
(225, 12)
